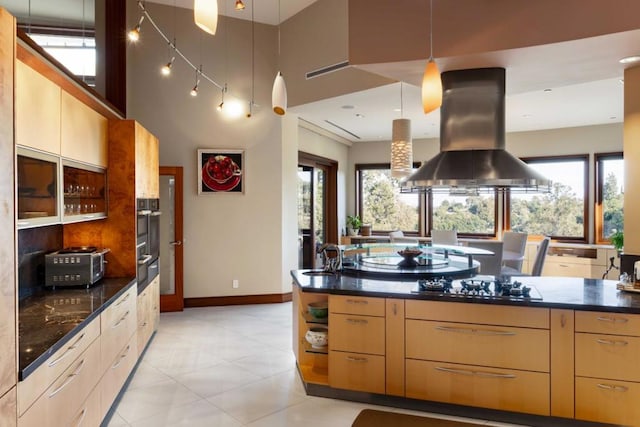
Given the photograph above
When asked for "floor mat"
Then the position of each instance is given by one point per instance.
(374, 418)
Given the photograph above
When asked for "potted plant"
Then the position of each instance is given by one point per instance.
(353, 224)
(617, 240)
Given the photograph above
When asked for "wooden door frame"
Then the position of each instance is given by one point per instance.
(331, 195)
(176, 303)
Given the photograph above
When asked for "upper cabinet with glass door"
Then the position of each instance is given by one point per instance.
(38, 188)
(84, 190)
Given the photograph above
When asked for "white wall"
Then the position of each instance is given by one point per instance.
(226, 236)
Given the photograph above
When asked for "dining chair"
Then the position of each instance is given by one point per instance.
(444, 237)
(513, 249)
(399, 237)
(490, 265)
(538, 262)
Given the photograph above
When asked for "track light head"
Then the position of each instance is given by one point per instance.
(239, 5)
(166, 69)
(220, 106)
(194, 91)
(134, 34)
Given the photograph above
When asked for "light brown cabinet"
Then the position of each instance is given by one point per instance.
(116, 373)
(313, 365)
(8, 409)
(118, 323)
(83, 132)
(148, 313)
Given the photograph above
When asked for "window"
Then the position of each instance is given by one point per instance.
(470, 215)
(77, 54)
(561, 214)
(609, 195)
(382, 205)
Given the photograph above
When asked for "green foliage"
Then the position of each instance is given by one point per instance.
(612, 203)
(354, 222)
(617, 240)
(383, 207)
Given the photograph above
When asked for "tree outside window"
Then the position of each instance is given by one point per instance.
(473, 215)
(610, 200)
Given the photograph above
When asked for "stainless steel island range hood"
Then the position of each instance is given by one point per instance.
(472, 154)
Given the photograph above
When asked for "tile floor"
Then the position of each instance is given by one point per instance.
(228, 367)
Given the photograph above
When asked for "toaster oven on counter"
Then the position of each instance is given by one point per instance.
(74, 266)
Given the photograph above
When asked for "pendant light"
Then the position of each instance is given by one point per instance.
(279, 92)
(431, 81)
(205, 15)
(401, 145)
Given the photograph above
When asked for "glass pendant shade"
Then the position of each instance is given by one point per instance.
(401, 149)
(205, 15)
(431, 87)
(279, 95)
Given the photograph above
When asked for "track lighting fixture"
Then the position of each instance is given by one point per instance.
(205, 15)
(194, 91)
(166, 69)
(134, 33)
(221, 105)
(239, 5)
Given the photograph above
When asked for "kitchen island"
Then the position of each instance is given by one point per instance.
(566, 355)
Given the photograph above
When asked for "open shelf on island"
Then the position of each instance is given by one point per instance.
(311, 319)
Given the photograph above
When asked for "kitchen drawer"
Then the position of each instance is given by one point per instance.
(145, 321)
(566, 268)
(359, 334)
(359, 372)
(507, 390)
(356, 305)
(117, 372)
(89, 413)
(61, 401)
(607, 356)
(478, 313)
(8, 408)
(36, 383)
(604, 401)
(608, 323)
(497, 346)
(118, 323)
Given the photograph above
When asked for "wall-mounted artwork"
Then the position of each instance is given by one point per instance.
(220, 171)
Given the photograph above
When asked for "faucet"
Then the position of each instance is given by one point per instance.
(332, 257)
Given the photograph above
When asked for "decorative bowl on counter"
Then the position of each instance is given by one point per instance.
(318, 337)
(319, 309)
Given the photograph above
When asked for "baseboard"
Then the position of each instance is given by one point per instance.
(237, 300)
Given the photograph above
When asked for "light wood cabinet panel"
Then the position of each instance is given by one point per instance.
(61, 401)
(508, 390)
(608, 356)
(8, 408)
(118, 324)
(83, 132)
(504, 347)
(395, 341)
(37, 100)
(35, 384)
(147, 164)
(88, 415)
(8, 263)
(604, 401)
(562, 363)
(155, 303)
(355, 371)
(359, 334)
(148, 313)
(608, 323)
(313, 366)
(356, 305)
(478, 313)
(118, 370)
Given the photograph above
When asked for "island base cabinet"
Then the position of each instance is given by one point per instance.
(59, 404)
(357, 371)
(607, 401)
(503, 389)
(117, 373)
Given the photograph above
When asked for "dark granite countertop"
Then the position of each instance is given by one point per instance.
(48, 319)
(556, 292)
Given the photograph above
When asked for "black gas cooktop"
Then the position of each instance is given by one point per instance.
(486, 288)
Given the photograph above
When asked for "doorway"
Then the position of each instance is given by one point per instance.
(171, 252)
(317, 207)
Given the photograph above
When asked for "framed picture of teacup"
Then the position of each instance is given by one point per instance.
(220, 171)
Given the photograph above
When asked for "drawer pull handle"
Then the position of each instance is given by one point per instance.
(613, 387)
(611, 342)
(357, 359)
(123, 299)
(121, 358)
(613, 319)
(474, 331)
(81, 416)
(357, 301)
(72, 376)
(475, 373)
(115, 325)
(67, 352)
(356, 321)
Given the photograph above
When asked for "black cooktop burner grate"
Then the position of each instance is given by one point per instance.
(479, 288)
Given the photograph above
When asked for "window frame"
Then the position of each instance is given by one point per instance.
(598, 193)
(587, 202)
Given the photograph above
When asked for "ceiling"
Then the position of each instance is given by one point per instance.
(567, 84)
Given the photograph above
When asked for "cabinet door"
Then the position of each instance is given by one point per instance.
(147, 164)
(83, 132)
(116, 374)
(37, 100)
(355, 371)
(8, 415)
(606, 401)
(144, 318)
(118, 323)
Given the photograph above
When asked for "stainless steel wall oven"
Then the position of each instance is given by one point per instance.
(148, 239)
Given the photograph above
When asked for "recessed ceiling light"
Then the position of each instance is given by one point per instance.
(630, 59)
(548, 90)
(526, 116)
(397, 110)
(360, 116)
(348, 107)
